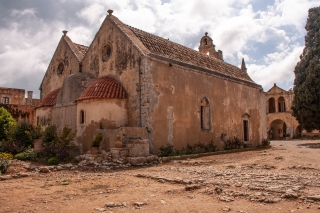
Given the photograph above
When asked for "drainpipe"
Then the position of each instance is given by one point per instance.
(140, 95)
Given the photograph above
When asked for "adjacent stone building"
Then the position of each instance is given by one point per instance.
(138, 85)
(20, 108)
(280, 121)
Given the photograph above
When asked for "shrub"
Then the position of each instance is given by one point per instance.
(23, 134)
(188, 150)
(7, 124)
(265, 142)
(49, 134)
(97, 140)
(20, 156)
(56, 145)
(5, 161)
(234, 143)
(166, 150)
(53, 161)
(12, 146)
(38, 132)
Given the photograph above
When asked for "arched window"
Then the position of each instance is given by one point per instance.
(60, 68)
(272, 106)
(81, 117)
(205, 41)
(281, 104)
(106, 52)
(205, 114)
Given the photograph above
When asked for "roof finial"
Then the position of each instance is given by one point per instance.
(206, 33)
(64, 32)
(243, 65)
(110, 12)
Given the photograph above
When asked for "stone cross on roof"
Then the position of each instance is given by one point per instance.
(206, 34)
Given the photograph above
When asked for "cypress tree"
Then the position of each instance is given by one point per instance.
(306, 102)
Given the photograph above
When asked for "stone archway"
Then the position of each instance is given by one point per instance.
(278, 129)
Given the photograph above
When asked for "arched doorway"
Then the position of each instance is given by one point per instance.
(278, 129)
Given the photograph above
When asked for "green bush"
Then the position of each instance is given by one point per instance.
(23, 133)
(7, 125)
(97, 140)
(166, 150)
(53, 161)
(265, 142)
(234, 143)
(5, 161)
(188, 150)
(57, 145)
(20, 156)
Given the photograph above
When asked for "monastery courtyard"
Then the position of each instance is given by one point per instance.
(284, 178)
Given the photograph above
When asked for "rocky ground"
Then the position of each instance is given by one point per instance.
(284, 178)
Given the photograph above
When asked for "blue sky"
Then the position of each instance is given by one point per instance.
(268, 34)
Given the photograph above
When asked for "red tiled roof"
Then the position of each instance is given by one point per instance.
(50, 99)
(104, 87)
(167, 49)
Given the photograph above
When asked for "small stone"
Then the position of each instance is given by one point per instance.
(100, 209)
(226, 209)
(162, 202)
(139, 204)
(110, 204)
(44, 169)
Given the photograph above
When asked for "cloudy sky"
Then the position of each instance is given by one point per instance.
(268, 34)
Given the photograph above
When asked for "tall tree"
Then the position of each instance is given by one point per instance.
(306, 103)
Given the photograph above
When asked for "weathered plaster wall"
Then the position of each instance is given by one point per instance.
(52, 80)
(64, 116)
(16, 96)
(123, 64)
(171, 106)
(99, 114)
(21, 112)
(44, 115)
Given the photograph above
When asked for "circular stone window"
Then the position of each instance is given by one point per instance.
(106, 52)
(60, 68)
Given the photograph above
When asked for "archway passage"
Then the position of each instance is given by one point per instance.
(278, 129)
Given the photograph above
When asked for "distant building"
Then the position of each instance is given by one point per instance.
(280, 121)
(20, 108)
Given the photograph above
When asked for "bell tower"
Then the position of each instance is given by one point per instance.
(207, 47)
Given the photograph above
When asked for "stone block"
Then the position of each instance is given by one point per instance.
(138, 148)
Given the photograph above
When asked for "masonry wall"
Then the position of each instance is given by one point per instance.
(123, 64)
(99, 114)
(44, 115)
(52, 80)
(171, 106)
(16, 96)
(21, 112)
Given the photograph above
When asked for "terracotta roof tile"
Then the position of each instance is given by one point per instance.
(50, 99)
(104, 87)
(167, 49)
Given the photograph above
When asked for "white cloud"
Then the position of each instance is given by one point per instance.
(28, 40)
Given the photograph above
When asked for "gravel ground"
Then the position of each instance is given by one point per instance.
(283, 178)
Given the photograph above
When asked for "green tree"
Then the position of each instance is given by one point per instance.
(306, 103)
(7, 124)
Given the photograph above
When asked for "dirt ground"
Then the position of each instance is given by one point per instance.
(284, 178)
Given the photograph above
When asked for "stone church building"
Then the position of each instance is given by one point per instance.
(137, 85)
